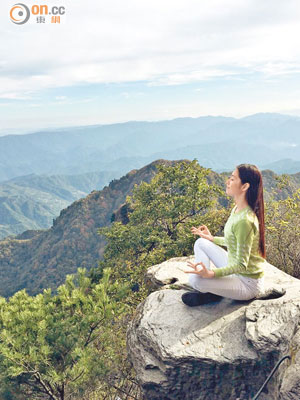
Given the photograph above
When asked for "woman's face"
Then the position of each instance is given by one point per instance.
(234, 184)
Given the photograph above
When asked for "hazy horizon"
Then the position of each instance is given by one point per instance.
(67, 127)
(113, 62)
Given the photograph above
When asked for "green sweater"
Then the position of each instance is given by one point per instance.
(242, 241)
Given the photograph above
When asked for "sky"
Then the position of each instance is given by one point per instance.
(115, 61)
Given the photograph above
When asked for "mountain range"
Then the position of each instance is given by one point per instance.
(38, 259)
(57, 187)
(43, 172)
(219, 142)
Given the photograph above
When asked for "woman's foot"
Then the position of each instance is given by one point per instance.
(193, 299)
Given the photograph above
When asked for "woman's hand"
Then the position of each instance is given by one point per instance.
(204, 272)
(202, 231)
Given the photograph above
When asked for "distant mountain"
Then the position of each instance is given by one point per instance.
(91, 148)
(224, 153)
(32, 201)
(39, 259)
(265, 137)
(285, 166)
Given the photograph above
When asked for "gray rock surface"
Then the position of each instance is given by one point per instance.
(222, 350)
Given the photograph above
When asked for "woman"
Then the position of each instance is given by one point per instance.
(239, 273)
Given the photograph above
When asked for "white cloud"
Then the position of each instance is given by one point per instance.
(14, 96)
(164, 43)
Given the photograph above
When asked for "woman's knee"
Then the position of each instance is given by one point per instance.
(201, 242)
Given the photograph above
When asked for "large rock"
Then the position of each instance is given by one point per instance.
(222, 350)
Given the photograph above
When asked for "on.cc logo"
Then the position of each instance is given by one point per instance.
(19, 14)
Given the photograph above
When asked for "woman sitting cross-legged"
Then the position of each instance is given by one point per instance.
(239, 272)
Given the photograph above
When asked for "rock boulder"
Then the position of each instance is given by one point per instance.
(222, 350)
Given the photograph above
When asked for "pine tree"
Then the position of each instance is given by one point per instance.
(49, 345)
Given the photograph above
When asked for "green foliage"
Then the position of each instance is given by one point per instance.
(49, 345)
(282, 222)
(162, 214)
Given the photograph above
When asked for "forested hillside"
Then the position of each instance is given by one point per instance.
(40, 259)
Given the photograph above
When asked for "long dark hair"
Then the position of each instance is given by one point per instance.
(249, 173)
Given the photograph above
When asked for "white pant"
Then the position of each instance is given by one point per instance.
(234, 286)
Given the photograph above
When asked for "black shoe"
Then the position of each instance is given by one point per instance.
(193, 299)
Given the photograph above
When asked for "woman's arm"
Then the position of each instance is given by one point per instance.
(244, 232)
(220, 240)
